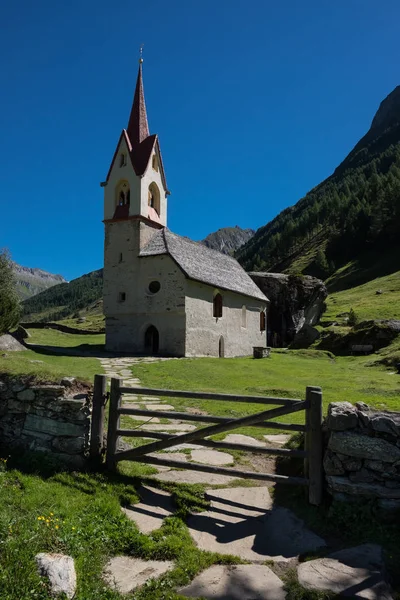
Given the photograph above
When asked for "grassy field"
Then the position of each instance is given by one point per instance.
(51, 367)
(365, 301)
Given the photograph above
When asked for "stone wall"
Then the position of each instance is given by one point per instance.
(362, 456)
(47, 418)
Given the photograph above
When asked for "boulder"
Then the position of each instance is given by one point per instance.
(341, 416)
(68, 381)
(60, 571)
(362, 446)
(343, 485)
(21, 333)
(295, 301)
(9, 343)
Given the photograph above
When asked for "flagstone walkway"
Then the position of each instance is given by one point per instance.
(240, 521)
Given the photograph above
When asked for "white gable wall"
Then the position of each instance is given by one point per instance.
(203, 331)
(118, 174)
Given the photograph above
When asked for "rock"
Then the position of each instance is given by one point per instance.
(211, 457)
(60, 571)
(332, 464)
(9, 343)
(351, 464)
(280, 439)
(370, 490)
(377, 465)
(60, 428)
(362, 446)
(126, 574)
(151, 511)
(68, 381)
(362, 476)
(362, 406)
(194, 477)
(238, 438)
(159, 407)
(236, 582)
(295, 301)
(386, 423)
(341, 416)
(69, 445)
(243, 522)
(305, 337)
(21, 333)
(355, 573)
(26, 395)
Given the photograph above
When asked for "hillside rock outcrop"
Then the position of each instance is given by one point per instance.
(295, 302)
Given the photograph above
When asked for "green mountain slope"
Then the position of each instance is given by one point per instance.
(353, 214)
(65, 299)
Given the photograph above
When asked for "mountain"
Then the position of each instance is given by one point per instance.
(33, 281)
(65, 299)
(228, 239)
(347, 224)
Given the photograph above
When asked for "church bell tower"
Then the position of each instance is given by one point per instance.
(135, 207)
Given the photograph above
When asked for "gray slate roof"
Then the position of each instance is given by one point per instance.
(203, 264)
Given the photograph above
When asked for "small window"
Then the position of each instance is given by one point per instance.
(244, 316)
(154, 287)
(155, 163)
(121, 297)
(120, 257)
(262, 320)
(122, 160)
(217, 306)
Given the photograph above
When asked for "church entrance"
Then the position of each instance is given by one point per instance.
(151, 340)
(221, 347)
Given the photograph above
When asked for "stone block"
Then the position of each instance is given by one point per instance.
(369, 490)
(341, 416)
(332, 464)
(49, 391)
(45, 425)
(68, 381)
(69, 445)
(351, 464)
(362, 476)
(60, 571)
(361, 446)
(26, 395)
(386, 423)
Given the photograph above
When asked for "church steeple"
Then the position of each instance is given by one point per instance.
(138, 127)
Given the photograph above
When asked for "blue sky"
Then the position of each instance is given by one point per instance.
(255, 102)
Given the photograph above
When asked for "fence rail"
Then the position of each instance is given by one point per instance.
(312, 453)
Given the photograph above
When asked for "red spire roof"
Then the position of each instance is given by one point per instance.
(138, 127)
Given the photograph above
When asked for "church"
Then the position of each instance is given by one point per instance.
(163, 293)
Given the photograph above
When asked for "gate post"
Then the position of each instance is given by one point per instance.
(314, 444)
(97, 425)
(113, 422)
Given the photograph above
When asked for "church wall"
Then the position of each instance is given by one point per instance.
(128, 320)
(203, 331)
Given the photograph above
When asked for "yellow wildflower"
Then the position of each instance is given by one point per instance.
(73, 528)
(52, 514)
(56, 526)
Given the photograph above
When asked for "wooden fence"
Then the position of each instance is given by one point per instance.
(312, 453)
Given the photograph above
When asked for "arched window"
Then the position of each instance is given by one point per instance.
(122, 159)
(262, 320)
(122, 194)
(155, 162)
(154, 197)
(244, 316)
(217, 306)
(221, 347)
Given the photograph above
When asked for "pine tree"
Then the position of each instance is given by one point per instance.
(9, 302)
(321, 262)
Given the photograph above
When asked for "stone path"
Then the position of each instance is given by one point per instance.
(241, 521)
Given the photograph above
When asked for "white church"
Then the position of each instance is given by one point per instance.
(165, 294)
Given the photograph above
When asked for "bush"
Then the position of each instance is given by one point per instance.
(353, 318)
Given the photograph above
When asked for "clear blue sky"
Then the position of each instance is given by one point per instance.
(255, 102)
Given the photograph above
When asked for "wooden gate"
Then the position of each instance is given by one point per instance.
(312, 453)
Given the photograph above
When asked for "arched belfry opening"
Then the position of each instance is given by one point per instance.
(151, 340)
(122, 194)
(154, 197)
(221, 347)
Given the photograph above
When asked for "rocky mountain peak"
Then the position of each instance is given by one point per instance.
(31, 281)
(388, 111)
(228, 239)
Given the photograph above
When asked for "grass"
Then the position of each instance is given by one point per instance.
(45, 366)
(284, 374)
(80, 514)
(365, 301)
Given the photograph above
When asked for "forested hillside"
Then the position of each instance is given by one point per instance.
(64, 299)
(353, 213)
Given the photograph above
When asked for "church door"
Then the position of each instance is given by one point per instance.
(221, 348)
(151, 340)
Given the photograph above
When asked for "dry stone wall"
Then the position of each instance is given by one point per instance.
(45, 418)
(362, 456)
